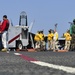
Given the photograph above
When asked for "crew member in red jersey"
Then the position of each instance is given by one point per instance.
(4, 30)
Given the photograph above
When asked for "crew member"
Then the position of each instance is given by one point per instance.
(67, 40)
(3, 29)
(42, 40)
(50, 40)
(37, 39)
(55, 40)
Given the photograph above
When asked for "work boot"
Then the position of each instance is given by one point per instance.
(4, 50)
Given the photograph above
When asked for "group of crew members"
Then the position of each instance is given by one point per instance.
(52, 39)
(40, 41)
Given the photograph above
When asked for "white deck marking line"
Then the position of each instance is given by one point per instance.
(58, 67)
(17, 54)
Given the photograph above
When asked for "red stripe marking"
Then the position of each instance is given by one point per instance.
(14, 38)
(28, 58)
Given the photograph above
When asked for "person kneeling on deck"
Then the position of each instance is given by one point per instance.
(37, 40)
(67, 40)
(3, 29)
(55, 40)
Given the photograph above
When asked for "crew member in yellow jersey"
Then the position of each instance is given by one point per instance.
(37, 39)
(50, 40)
(67, 40)
(42, 40)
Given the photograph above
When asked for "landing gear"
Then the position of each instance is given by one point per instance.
(19, 45)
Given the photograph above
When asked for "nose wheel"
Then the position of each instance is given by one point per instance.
(19, 45)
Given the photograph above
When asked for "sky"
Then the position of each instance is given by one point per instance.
(46, 13)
